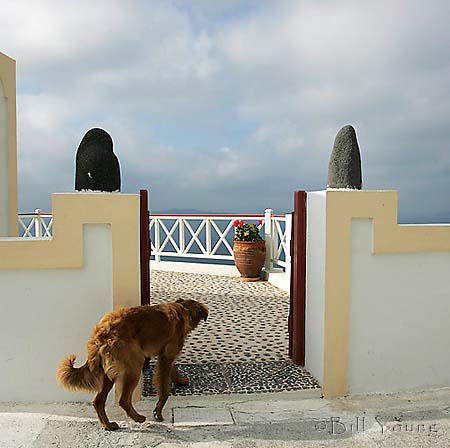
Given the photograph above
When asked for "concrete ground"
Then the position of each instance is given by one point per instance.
(285, 419)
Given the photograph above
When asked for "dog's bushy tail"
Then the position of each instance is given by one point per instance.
(79, 378)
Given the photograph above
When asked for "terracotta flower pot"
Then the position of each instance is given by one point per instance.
(249, 259)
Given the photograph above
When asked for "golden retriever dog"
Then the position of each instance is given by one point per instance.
(117, 349)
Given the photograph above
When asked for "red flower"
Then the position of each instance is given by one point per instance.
(260, 221)
(236, 223)
(241, 223)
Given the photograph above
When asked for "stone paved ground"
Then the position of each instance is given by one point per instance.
(243, 346)
(281, 420)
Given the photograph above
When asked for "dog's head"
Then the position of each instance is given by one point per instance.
(196, 310)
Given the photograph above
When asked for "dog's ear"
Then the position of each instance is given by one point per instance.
(203, 309)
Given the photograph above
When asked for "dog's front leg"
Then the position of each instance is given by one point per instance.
(163, 371)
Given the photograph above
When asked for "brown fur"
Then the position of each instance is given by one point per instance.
(117, 349)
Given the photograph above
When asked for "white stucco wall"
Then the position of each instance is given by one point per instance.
(47, 314)
(4, 196)
(315, 283)
(399, 330)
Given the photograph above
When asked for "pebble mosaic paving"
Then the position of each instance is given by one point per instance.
(242, 348)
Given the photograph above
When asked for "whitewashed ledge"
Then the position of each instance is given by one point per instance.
(276, 278)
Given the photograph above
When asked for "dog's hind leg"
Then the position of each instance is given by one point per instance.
(129, 382)
(163, 369)
(177, 378)
(99, 405)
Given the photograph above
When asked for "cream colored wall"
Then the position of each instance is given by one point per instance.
(64, 284)
(388, 237)
(65, 249)
(47, 314)
(4, 193)
(398, 319)
(8, 147)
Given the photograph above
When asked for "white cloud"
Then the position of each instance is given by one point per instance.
(207, 102)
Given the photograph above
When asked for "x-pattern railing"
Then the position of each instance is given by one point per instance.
(179, 235)
(191, 236)
(36, 225)
(281, 238)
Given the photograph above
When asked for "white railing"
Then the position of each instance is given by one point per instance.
(281, 241)
(35, 225)
(195, 236)
(208, 237)
(211, 236)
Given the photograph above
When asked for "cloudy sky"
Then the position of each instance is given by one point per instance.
(228, 105)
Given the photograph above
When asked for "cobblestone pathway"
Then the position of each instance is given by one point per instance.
(242, 348)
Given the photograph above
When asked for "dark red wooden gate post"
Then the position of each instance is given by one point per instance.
(145, 248)
(298, 281)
